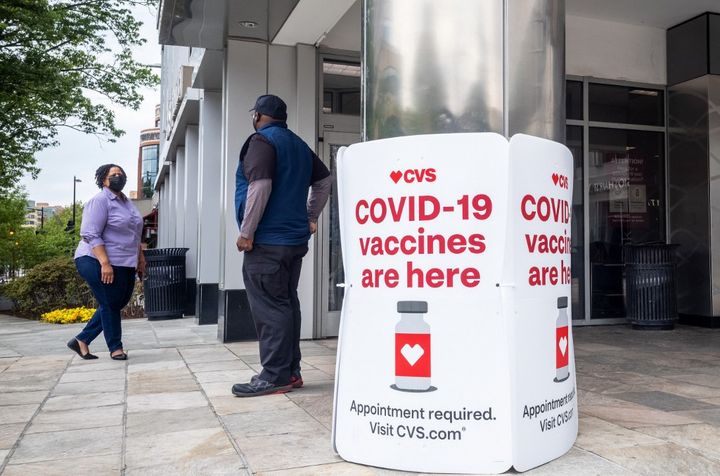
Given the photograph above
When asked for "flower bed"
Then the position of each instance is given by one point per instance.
(68, 316)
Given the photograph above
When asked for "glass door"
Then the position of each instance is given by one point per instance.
(330, 268)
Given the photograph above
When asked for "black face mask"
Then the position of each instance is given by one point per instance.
(117, 183)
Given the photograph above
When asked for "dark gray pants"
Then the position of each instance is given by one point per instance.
(271, 275)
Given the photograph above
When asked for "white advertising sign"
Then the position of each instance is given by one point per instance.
(434, 309)
(536, 296)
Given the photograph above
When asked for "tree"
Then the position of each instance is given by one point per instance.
(12, 216)
(61, 63)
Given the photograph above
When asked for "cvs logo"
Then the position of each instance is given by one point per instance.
(414, 175)
(560, 180)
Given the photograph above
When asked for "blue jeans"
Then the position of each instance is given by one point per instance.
(111, 299)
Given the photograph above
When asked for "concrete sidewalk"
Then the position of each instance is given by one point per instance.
(649, 404)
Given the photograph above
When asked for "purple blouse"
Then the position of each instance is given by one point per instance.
(114, 222)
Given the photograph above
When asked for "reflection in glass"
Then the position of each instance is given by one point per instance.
(628, 105)
(336, 273)
(574, 142)
(574, 101)
(626, 191)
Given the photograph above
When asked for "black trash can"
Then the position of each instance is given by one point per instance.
(650, 286)
(164, 286)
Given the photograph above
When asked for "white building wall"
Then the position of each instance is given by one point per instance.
(244, 80)
(253, 69)
(611, 50)
(178, 214)
(172, 205)
(306, 128)
(189, 207)
(209, 187)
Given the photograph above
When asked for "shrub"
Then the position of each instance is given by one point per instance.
(52, 285)
(68, 316)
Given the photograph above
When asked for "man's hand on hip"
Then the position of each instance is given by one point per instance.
(244, 244)
(313, 227)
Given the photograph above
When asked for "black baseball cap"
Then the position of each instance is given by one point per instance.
(271, 105)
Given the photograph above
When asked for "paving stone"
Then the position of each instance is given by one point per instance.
(596, 433)
(236, 364)
(320, 407)
(94, 417)
(266, 423)
(177, 448)
(89, 400)
(315, 360)
(18, 398)
(291, 450)
(207, 354)
(578, 462)
(9, 435)
(93, 376)
(661, 459)
(218, 389)
(177, 380)
(165, 401)
(108, 465)
(218, 466)
(81, 388)
(144, 356)
(160, 365)
(18, 413)
(3, 455)
(631, 415)
(68, 444)
(224, 376)
(702, 437)
(664, 401)
(332, 469)
(226, 405)
(80, 365)
(166, 421)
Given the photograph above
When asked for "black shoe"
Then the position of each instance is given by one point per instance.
(257, 387)
(296, 379)
(122, 356)
(73, 344)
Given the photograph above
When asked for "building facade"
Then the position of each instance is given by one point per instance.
(627, 86)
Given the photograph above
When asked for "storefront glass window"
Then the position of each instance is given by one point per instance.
(627, 105)
(574, 101)
(574, 142)
(336, 274)
(626, 190)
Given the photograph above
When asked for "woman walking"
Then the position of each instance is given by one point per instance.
(107, 258)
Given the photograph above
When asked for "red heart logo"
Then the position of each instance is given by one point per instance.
(555, 178)
(396, 176)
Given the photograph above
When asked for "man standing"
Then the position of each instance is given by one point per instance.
(276, 219)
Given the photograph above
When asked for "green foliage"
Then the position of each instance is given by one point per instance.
(57, 59)
(12, 215)
(52, 285)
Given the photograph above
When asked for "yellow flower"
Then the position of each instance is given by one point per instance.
(68, 316)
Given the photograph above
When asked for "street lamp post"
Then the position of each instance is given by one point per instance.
(75, 180)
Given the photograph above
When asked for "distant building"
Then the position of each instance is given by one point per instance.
(147, 162)
(148, 153)
(38, 213)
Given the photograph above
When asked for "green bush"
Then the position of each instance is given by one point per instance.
(54, 284)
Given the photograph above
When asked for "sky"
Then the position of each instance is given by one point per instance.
(80, 155)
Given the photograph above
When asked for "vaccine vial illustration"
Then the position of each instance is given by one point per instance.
(412, 347)
(562, 342)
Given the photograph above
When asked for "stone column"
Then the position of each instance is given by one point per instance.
(459, 66)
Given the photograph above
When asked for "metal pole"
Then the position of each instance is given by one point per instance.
(73, 205)
(42, 217)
